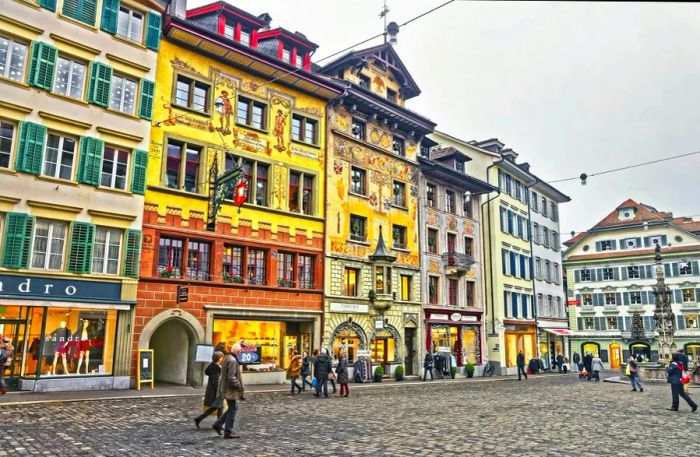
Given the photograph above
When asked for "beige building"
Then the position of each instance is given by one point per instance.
(77, 84)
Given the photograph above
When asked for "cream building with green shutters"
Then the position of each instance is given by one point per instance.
(77, 84)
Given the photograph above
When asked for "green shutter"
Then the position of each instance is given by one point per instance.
(42, 65)
(30, 148)
(18, 239)
(82, 237)
(153, 31)
(146, 100)
(91, 151)
(138, 178)
(81, 10)
(132, 258)
(48, 4)
(110, 13)
(100, 81)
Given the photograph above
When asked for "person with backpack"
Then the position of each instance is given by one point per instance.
(633, 372)
(675, 378)
(6, 353)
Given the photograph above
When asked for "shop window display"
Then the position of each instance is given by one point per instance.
(470, 346)
(346, 340)
(383, 347)
(516, 342)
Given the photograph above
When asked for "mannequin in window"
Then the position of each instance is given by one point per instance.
(83, 337)
(62, 337)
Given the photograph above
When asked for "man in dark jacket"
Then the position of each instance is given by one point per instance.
(231, 389)
(428, 366)
(588, 364)
(560, 362)
(322, 366)
(520, 361)
(634, 375)
(674, 378)
(577, 361)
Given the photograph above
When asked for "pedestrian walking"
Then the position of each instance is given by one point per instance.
(322, 366)
(6, 353)
(211, 400)
(231, 389)
(577, 361)
(331, 375)
(597, 367)
(305, 371)
(560, 362)
(634, 374)
(294, 371)
(428, 366)
(674, 378)
(588, 365)
(520, 361)
(341, 372)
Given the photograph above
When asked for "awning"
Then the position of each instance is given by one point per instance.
(559, 331)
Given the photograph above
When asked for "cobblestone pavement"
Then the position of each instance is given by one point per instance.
(548, 415)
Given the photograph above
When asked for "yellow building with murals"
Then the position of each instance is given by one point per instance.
(372, 270)
(224, 95)
(76, 85)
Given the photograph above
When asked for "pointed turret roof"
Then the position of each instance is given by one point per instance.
(382, 254)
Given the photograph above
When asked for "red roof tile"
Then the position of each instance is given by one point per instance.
(643, 213)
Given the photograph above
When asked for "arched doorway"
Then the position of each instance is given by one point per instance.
(643, 349)
(173, 335)
(615, 355)
(593, 348)
(349, 337)
(385, 347)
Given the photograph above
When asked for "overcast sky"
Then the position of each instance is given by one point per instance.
(571, 87)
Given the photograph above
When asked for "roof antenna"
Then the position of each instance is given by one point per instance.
(383, 14)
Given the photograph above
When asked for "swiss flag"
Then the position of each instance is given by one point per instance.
(241, 193)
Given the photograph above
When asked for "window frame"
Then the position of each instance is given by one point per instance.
(688, 297)
(301, 192)
(398, 146)
(685, 268)
(107, 244)
(434, 298)
(608, 273)
(8, 59)
(589, 276)
(131, 12)
(402, 230)
(185, 144)
(170, 250)
(59, 156)
(362, 220)
(347, 272)
(199, 274)
(50, 239)
(361, 128)
(398, 202)
(303, 121)
(252, 261)
(362, 173)
(115, 163)
(436, 245)
(606, 245)
(13, 140)
(587, 299)
(633, 272)
(249, 117)
(124, 78)
(635, 297)
(406, 283)
(431, 201)
(609, 298)
(450, 202)
(192, 83)
(86, 76)
(452, 292)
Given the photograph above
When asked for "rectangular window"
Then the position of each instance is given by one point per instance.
(106, 251)
(451, 242)
(192, 94)
(399, 194)
(350, 282)
(553, 211)
(610, 298)
(70, 78)
(130, 24)
(301, 192)
(688, 295)
(358, 180)
(59, 156)
(245, 35)
(251, 113)
(406, 281)
(13, 56)
(470, 294)
(545, 237)
(547, 272)
(432, 241)
(452, 289)
(606, 245)
(232, 263)
(685, 268)
(7, 135)
(608, 274)
(398, 146)
(256, 266)
(588, 323)
(170, 257)
(555, 273)
(115, 166)
(433, 283)
(182, 166)
(431, 194)
(585, 275)
(468, 246)
(305, 272)
(451, 206)
(357, 228)
(509, 189)
(230, 31)
(363, 81)
(382, 280)
(285, 269)
(398, 236)
(198, 260)
(536, 233)
(635, 298)
(544, 206)
(612, 323)
(123, 94)
(534, 202)
(48, 244)
(304, 129)
(587, 299)
(538, 268)
(358, 130)
(391, 95)
(287, 54)
(633, 272)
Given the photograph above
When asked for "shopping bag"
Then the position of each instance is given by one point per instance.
(685, 377)
(314, 382)
(627, 370)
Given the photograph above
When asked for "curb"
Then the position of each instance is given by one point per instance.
(284, 389)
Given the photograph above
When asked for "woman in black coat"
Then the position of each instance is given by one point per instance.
(305, 371)
(210, 396)
(341, 372)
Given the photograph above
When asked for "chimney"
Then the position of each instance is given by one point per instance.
(492, 145)
(177, 8)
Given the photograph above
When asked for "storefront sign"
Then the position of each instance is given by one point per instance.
(182, 294)
(12, 286)
(204, 353)
(364, 353)
(379, 324)
(443, 349)
(349, 308)
(439, 317)
(456, 317)
(248, 357)
(145, 369)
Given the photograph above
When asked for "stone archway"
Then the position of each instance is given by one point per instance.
(173, 335)
(397, 341)
(354, 327)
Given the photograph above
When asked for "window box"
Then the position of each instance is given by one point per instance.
(167, 272)
(236, 279)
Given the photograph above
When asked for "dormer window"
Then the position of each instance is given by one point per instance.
(625, 213)
(244, 35)
(364, 81)
(606, 245)
(246, 32)
(230, 31)
(459, 166)
(391, 95)
(287, 54)
(299, 61)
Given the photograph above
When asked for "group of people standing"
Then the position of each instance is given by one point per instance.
(320, 366)
(589, 367)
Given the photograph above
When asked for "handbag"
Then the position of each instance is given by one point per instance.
(685, 377)
(331, 376)
(314, 382)
(628, 370)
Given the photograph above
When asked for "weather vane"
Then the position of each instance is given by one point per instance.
(383, 14)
